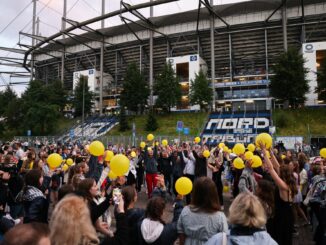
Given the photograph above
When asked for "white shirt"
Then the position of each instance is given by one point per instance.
(190, 164)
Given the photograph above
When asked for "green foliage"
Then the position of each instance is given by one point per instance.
(6, 97)
(80, 89)
(321, 81)
(40, 112)
(151, 123)
(10, 110)
(123, 123)
(201, 91)
(290, 82)
(135, 90)
(281, 120)
(56, 94)
(167, 88)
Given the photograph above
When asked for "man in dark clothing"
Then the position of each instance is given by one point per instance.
(140, 171)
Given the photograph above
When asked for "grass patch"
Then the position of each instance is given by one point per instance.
(303, 121)
(166, 124)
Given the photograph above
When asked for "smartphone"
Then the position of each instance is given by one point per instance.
(116, 193)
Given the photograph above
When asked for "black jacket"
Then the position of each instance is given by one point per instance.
(200, 165)
(97, 210)
(134, 216)
(121, 236)
(36, 210)
(165, 166)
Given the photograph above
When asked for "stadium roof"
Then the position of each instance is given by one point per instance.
(224, 10)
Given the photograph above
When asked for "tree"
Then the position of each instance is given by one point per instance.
(5, 98)
(56, 94)
(167, 88)
(123, 123)
(321, 81)
(39, 113)
(151, 123)
(135, 90)
(201, 91)
(290, 80)
(80, 89)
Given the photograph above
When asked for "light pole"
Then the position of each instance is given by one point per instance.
(83, 107)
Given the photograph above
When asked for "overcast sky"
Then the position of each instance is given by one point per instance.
(50, 13)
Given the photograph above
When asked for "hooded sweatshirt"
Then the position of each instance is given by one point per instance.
(151, 230)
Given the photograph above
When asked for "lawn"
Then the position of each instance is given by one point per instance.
(305, 122)
(167, 124)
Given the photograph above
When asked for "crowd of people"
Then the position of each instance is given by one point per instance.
(71, 205)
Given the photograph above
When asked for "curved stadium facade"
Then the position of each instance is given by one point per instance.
(246, 38)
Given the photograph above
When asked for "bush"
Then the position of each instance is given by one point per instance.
(282, 119)
(151, 124)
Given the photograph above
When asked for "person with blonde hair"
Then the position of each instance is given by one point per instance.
(247, 220)
(71, 223)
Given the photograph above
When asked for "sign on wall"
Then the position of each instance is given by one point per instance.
(239, 127)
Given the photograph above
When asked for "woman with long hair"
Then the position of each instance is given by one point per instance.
(265, 193)
(287, 189)
(88, 189)
(202, 218)
(35, 204)
(247, 218)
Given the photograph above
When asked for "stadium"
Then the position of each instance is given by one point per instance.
(247, 36)
(235, 43)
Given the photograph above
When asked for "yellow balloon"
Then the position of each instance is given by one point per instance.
(197, 140)
(256, 162)
(283, 156)
(206, 153)
(96, 148)
(119, 164)
(221, 145)
(164, 142)
(266, 139)
(238, 163)
(251, 147)
(183, 186)
(229, 151)
(323, 152)
(133, 154)
(157, 143)
(150, 137)
(65, 167)
(108, 156)
(226, 188)
(54, 160)
(142, 144)
(248, 155)
(112, 175)
(225, 148)
(69, 162)
(239, 149)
